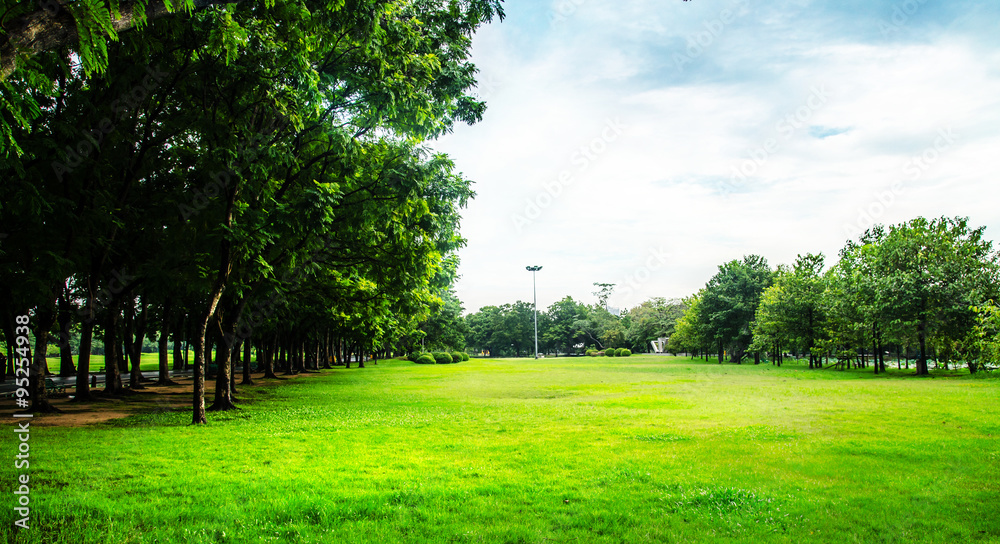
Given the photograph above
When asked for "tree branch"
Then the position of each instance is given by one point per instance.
(52, 28)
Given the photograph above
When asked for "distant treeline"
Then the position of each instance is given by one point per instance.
(926, 286)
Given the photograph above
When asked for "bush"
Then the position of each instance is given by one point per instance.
(456, 357)
(425, 359)
(610, 352)
(413, 356)
(624, 352)
(442, 358)
(591, 352)
(465, 356)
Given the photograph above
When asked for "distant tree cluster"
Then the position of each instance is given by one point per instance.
(241, 174)
(570, 327)
(925, 287)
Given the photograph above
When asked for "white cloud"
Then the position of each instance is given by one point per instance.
(664, 182)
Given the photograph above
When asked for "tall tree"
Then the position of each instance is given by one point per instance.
(932, 273)
(790, 310)
(730, 301)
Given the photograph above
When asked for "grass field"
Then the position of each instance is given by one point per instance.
(582, 450)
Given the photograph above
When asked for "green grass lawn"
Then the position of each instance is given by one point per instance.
(581, 450)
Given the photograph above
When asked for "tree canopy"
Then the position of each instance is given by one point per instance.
(241, 172)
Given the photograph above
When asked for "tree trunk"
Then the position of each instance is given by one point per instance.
(234, 360)
(44, 319)
(86, 343)
(326, 350)
(66, 367)
(198, 401)
(247, 378)
(874, 352)
(287, 353)
(112, 374)
(7, 328)
(138, 329)
(922, 369)
(83, 360)
(223, 393)
(162, 348)
(881, 354)
(269, 358)
(178, 355)
(198, 397)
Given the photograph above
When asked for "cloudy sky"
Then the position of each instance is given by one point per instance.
(645, 142)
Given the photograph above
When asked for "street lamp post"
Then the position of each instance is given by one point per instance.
(534, 290)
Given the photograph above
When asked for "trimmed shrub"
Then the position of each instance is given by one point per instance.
(624, 352)
(465, 356)
(456, 357)
(610, 352)
(425, 359)
(591, 352)
(442, 358)
(413, 356)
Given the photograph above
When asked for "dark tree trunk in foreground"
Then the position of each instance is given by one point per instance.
(83, 359)
(198, 402)
(44, 319)
(214, 296)
(223, 393)
(66, 367)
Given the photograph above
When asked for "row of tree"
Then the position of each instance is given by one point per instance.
(923, 287)
(236, 173)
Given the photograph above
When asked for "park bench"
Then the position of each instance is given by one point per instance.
(53, 387)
